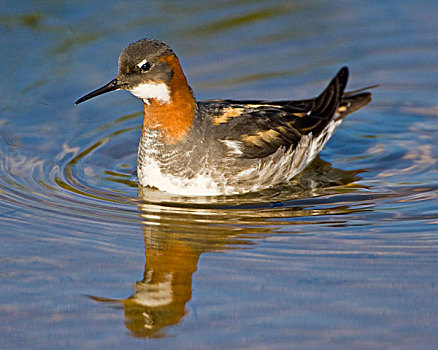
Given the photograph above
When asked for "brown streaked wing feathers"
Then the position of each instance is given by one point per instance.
(263, 129)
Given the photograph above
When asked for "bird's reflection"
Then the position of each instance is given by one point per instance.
(160, 298)
(176, 235)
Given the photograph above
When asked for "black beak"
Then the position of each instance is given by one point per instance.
(111, 86)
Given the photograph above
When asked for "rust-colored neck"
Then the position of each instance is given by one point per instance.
(175, 117)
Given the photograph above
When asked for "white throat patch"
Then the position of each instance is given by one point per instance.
(149, 91)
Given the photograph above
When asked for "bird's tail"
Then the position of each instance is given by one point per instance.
(353, 100)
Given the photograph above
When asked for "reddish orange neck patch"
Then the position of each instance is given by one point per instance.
(175, 117)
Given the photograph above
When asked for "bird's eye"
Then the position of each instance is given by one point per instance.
(145, 66)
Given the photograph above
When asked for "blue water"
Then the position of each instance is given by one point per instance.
(345, 257)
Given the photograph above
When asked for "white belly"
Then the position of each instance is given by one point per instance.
(165, 172)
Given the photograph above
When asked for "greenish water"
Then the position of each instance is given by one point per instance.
(344, 257)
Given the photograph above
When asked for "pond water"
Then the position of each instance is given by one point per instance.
(346, 256)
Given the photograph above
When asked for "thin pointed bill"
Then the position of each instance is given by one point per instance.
(111, 86)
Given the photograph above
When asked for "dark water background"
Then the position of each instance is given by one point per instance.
(345, 257)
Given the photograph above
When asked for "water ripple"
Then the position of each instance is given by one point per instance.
(98, 182)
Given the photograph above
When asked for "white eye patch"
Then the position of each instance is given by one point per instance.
(141, 63)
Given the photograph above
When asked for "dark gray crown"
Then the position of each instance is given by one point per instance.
(144, 48)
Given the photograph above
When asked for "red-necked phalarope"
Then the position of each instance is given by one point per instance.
(222, 146)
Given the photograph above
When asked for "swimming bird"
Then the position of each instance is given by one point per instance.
(217, 147)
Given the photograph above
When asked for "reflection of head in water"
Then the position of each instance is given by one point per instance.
(175, 236)
(159, 299)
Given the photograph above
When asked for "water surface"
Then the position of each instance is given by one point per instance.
(345, 256)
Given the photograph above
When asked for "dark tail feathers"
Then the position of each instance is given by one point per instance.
(334, 97)
(353, 100)
(328, 101)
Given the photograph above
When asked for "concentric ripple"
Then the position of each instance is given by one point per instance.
(93, 177)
